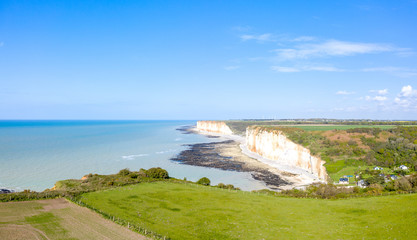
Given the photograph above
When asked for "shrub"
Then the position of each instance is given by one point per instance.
(124, 172)
(375, 179)
(228, 186)
(390, 186)
(142, 173)
(134, 175)
(413, 179)
(157, 173)
(376, 188)
(403, 184)
(204, 181)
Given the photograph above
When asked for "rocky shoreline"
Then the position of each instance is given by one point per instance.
(226, 155)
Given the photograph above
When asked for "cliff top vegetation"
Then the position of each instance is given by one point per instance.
(353, 150)
(239, 126)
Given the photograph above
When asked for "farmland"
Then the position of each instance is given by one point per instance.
(328, 127)
(56, 219)
(189, 211)
(239, 127)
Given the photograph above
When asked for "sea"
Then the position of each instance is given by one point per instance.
(36, 154)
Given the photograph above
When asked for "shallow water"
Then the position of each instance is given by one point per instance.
(36, 154)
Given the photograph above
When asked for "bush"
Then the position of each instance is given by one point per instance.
(376, 188)
(376, 179)
(413, 179)
(157, 173)
(134, 175)
(224, 186)
(204, 181)
(403, 184)
(390, 186)
(124, 172)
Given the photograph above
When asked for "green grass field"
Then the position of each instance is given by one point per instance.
(189, 211)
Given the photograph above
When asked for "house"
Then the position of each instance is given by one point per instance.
(378, 168)
(361, 184)
(403, 167)
(343, 180)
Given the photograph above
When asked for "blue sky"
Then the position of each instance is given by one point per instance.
(208, 59)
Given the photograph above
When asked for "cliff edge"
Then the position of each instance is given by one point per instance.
(214, 126)
(274, 145)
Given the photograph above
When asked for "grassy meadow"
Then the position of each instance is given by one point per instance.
(189, 211)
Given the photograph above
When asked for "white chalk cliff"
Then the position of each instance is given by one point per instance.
(273, 145)
(214, 126)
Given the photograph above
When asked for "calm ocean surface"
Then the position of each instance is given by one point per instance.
(36, 154)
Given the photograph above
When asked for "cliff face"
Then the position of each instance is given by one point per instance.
(274, 145)
(214, 126)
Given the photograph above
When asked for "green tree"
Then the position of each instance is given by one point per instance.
(204, 181)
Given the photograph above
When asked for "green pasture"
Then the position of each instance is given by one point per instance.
(189, 211)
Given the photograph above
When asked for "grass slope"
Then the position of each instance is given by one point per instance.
(56, 219)
(188, 211)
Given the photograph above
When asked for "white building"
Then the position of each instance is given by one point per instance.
(403, 167)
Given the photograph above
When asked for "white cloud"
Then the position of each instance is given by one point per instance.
(306, 68)
(376, 98)
(303, 39)
(382, 69)
(380, 98)
(407, 91)
(324, 69)
(230, 68)
(407, 98)
(261, 38)
(284, 69)
(331, 48)
(397, 71)
(344, 93)
(380, 92)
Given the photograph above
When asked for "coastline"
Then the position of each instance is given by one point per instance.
(231, 153)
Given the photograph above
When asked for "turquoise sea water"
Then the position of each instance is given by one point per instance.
(36, 154)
